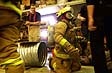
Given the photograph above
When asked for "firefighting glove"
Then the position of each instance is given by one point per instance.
(71, 50)
(70, 47)
(74, 54)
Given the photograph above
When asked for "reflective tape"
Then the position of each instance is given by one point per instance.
(18, 63)
(12, 6)
(54, 65)
(63, 56)
(15, 61)
(62, 42)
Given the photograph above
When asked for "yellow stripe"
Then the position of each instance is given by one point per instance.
(13, 7)
(62, 42)
(54, 65)
(49, 28)
(10, 61)
(63, 56)
(18, 63)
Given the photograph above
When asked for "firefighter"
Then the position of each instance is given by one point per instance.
(66, 58)
(10, 22)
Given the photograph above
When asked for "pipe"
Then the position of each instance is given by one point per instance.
(33, 53)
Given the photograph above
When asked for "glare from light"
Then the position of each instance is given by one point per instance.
(51, 19)
(43, 34)
(47, 10)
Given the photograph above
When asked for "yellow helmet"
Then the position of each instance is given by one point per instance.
(63, 10)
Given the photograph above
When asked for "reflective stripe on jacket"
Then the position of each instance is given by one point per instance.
(11, 6)
(16, 61)
(62, 35)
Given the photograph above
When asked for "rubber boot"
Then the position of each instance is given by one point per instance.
(15, 69)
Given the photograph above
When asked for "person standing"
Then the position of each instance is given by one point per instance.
(9, 34)
(66, 57)
(33, 22)
(99, 25)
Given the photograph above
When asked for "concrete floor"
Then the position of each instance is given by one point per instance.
(45, 69)
(84, 69)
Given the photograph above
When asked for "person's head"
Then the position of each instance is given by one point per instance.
(32, 8)
(65, 13)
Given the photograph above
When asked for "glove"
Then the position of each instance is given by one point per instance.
(72, 51)
(75, 55)
(70, 48)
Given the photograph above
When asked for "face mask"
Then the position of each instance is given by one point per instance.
(69, 15)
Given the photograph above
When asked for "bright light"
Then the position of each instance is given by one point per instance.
(48, 10)
(44, 34)
(50, 19)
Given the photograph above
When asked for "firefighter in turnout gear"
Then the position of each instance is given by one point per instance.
(66, 58)
(9, 33)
